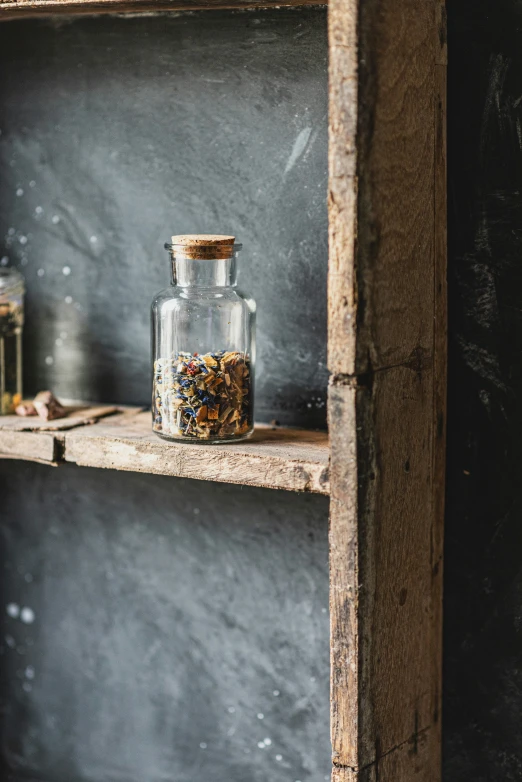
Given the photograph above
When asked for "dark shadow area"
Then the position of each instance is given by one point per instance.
(483, 556)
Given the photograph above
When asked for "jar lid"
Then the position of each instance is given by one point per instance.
(203, 246)
(11, 281)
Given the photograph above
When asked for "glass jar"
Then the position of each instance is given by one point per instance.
(203, 345)
(12, 290)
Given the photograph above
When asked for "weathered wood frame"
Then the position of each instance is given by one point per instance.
(387, 358)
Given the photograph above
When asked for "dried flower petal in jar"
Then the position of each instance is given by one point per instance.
(203, 346)
(203, 397)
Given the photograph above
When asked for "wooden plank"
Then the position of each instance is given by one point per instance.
(440, 347)
(29, 446)
(380, 560)
(395, 555)
(387, 356)
(275, 458)
(76, 415)
(410, 760)
(33, 439)
(342, 187)
(278, 458)
(344, 574)
(387, 185)
(26, 8)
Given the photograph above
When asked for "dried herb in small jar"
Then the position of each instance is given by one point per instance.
(12, 291)
(203, 397)
(205, 394)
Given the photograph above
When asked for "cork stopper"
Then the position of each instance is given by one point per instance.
(203, 246)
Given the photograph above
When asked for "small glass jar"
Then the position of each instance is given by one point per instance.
(203, 345)
(12, 290)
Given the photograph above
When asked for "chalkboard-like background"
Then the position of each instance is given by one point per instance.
(118, 133)
(178, 635)
(483, 598)
(179, 630)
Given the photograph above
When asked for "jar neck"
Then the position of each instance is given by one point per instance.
(208, 273)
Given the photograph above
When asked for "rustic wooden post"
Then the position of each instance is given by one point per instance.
(387, 358)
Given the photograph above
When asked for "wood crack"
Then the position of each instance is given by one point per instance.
(290, 459)
(413, 739)
(419, 361)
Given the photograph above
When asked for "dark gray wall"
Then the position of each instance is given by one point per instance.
(168, 617)
(118, 132)
(164, 614)
(483, 600)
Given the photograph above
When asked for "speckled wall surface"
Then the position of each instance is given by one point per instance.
(161, 630)
(142, 640)
(483, 600)
(118, 132)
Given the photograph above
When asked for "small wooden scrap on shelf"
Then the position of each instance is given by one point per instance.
(45, 405)
(32, 437)
(46, 413)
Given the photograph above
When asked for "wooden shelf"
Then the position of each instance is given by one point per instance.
(28, 8)
(121, 439)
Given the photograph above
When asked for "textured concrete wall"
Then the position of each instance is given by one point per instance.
(170, 627)
(117, 133)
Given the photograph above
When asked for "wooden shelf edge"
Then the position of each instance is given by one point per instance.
(40, 447)
(18, 9)
(288, 459)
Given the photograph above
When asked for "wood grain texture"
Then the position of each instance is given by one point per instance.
(395, 536)
(344, 574)
(440, 350)
(410, 760)
(380, 559)
(387, 184)
(29, 446)
(342, 187)
(275, 458)
(105, 437)
(17, 9)
(395, 174)
(77, 415)
(387, 356)
(291, 459)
